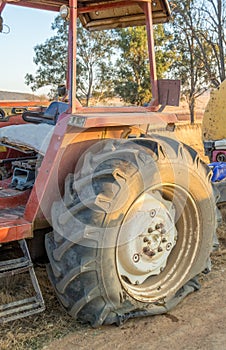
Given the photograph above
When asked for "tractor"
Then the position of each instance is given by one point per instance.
(126, 216)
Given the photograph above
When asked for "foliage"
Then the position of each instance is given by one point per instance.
(211, 31)
(198, 34)
(93, 61)
(51, 59)
(191, 48)
(133, 81)
(94, 67)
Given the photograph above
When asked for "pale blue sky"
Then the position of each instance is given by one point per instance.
(28, 27)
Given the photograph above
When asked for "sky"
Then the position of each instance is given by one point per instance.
(28, 27)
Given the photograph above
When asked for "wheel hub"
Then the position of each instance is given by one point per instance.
(150, 234)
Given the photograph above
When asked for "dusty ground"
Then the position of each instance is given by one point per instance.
(199, 322)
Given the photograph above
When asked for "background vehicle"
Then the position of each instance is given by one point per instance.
(214, 131)
(128, 218)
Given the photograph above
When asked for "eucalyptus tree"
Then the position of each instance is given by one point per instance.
(133, 78)
(94, 65)
(199, 35)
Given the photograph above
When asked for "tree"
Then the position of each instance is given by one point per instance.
(213, 31)
(93, 61)
(198, 34)
(94, 67)
(51, 59)
(189, 68)
(133, 81)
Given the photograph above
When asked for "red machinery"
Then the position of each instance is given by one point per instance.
(124, 211)
(11, 111)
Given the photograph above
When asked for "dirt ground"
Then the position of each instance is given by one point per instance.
(199, 322)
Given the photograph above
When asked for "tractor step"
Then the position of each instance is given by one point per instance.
(24, 307)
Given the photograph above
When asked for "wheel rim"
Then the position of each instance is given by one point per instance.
(157, 243)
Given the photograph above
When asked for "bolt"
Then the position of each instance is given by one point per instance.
(160, 249)
(145, 239)
(152, 213)
(148, 252)
(168, 246)
(150, 230)
(158, 226)
(136, 258)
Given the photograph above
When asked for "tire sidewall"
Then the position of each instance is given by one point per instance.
(171, 172)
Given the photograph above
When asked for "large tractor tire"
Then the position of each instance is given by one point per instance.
(133, 230)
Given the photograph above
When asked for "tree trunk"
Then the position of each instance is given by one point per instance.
(192, 109)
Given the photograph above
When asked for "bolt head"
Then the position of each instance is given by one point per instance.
(158, 226)
(152, 213)
(136, 258)
(168, 246)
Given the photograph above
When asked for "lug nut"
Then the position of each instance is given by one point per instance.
(158, 226)
(150, 230)
(146, 249)
(145, 239)
(148, 252)
(163, 231)
(164, 240)
(160, 249)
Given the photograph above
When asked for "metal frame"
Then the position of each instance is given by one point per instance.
(74, 13)
(74, 132)
(23, 307)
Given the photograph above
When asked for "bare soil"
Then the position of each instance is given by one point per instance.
(199, 322)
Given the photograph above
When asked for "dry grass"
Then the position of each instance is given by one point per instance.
(33, 332)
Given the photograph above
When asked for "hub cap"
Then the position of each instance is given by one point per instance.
(150, 235)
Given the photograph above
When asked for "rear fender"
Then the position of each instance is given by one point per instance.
(66, 147)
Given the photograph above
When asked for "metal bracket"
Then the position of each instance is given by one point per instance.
(169, 93)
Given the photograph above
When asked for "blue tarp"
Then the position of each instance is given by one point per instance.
(219, 171)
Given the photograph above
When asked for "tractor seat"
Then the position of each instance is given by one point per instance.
(27, 137)
(50, 116)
